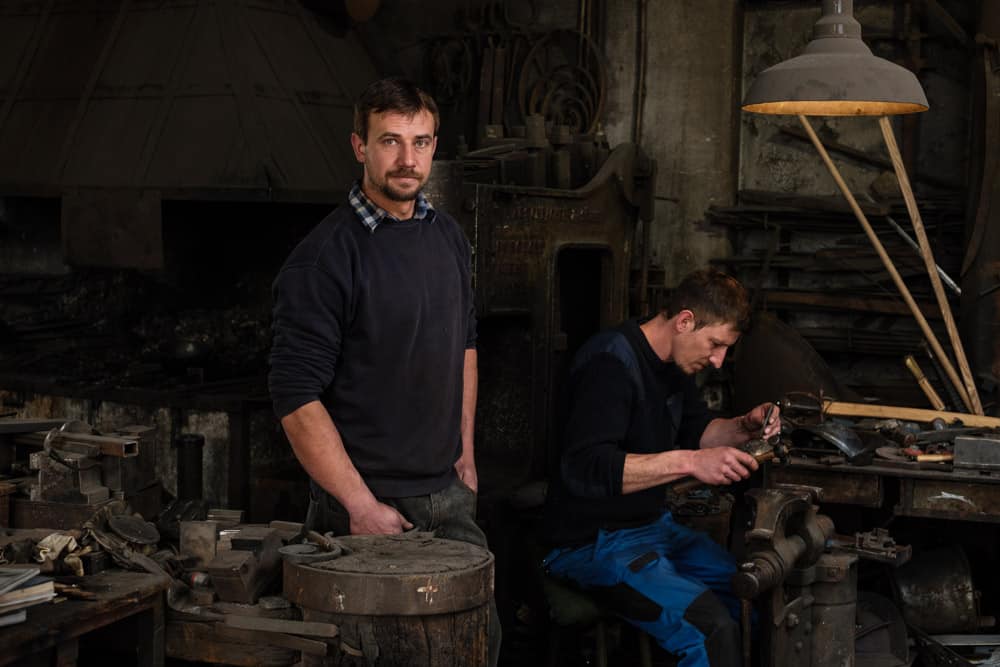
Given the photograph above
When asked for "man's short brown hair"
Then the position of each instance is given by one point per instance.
(714, 297)
(392, 94)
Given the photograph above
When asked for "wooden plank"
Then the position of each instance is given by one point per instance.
(875, 160)
(866, 304)
(198, 642)
(238, 609)
(838, 488)
(842, 409)
(309, 628)
(296, 643)
(811, 203)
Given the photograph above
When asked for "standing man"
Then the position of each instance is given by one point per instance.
(636, 422)
(373, 367)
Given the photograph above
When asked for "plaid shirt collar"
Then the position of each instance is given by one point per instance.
(373, 215)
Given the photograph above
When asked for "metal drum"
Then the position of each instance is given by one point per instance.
(935, 591)
(399, 600)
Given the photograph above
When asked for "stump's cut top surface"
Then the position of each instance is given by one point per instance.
(404, 555)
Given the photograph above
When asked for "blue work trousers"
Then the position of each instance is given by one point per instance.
(679, 572)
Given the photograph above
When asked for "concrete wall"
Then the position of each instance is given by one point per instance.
(700, 58)
(30, 237)
(771, 161)
(107, 416)
(688, 116)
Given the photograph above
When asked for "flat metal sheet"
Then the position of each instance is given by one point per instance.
(16, 426)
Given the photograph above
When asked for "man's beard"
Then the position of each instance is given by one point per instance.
(393, 194)
(690, 367)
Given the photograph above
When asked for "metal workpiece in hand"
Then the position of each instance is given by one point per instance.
(767, 419)
(761, 448)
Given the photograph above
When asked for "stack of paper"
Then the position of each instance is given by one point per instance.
(20, 588)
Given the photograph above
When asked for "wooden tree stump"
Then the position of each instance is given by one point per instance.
(400, 601)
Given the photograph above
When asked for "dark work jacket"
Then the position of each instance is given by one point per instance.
(622, 399)
(375, 324)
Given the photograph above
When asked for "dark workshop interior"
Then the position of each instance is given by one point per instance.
(159, 160)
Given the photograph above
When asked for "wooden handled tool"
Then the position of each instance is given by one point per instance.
(923, 382)
(689, 483)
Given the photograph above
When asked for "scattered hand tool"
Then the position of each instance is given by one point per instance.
(928, 456)
(767, 418)
(75, 592)
(935, 458)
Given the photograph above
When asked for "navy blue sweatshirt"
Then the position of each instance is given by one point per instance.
(375, 324)
(623, 399)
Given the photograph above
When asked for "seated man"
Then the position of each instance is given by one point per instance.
(636, 422)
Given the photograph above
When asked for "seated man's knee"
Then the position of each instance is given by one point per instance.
(721, 631)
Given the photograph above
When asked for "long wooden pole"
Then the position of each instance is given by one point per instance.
(890, 267)
(839, 409)
(928, 256)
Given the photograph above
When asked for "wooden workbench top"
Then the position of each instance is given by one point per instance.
(119, 594)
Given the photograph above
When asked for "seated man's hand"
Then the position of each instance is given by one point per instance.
(722, 465)
(753, 421)
(378, 519)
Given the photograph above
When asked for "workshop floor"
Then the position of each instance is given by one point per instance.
(523, 647)
(574, 649)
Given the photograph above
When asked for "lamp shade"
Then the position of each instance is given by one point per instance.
(837, 75)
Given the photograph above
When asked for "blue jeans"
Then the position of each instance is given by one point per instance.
(678, 572)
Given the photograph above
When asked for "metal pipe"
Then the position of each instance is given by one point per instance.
(913, 244)
(640, 100)
(746, 612)
(952, 285)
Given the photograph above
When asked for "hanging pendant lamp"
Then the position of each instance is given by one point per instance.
(837, 75)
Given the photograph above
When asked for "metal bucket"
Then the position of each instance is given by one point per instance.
(935, 592)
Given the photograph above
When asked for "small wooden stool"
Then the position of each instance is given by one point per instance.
(571, 607)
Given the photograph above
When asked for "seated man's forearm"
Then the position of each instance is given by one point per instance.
(643, 471)
(713, 464)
